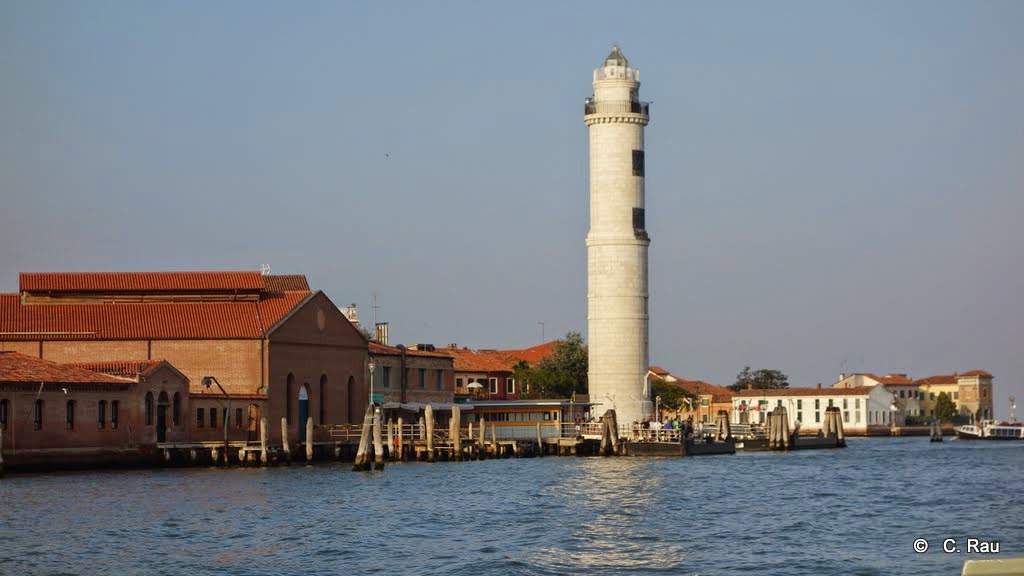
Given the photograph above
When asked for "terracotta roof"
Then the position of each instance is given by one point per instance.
(939, 379)
(383, 350)
(699, 387)
(467, 360)
(535, 354)
(894, 379)
(157, 321)
(857, 391)
(123, 368)
(660, 371)
(16, 367)
(980, 373)
(289, 283)
(138, 281)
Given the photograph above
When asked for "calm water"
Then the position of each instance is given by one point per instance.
(853, 511)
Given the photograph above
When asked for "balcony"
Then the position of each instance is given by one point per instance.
(615, 107)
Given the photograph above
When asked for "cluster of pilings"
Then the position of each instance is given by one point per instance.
(935, 429)
(780, 437)
(722, 430)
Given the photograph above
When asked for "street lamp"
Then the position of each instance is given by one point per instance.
(209, 381)
(372, 366)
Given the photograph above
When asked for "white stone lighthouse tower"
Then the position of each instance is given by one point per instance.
(617, 243)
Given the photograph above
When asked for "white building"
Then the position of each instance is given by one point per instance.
(862, 407)
(906, 394)
(617, 320)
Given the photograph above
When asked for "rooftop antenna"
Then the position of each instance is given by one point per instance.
(375, 307)
(264, 269)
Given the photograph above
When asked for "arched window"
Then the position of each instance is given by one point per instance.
(289, 392)
(114, 405)
(101, 414)
(3, 414)
(303, 409)
(176, 412)
(71, 415)
(323, 398)
(37, 415)
(149, 408)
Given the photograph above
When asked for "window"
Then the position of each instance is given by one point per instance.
(901, 393)
(423, 378)
(931, 395)
(817, 416)
(3, 414)
(494, 385)
(856, 404)
(101, 414)
(845, 404)
(238, 418)
(149, 408)
(638, 162)
(458, 383)
(817, 405)
(639, 227)
(440, 379)
(200, 417)
(213, 417)
(846, 415)
(510, 386)
(114, 405)
(956, 395)
(176, 409)
(799, 404)
(800, 416)
(829, 402)
(856, 416)
(71, 415)
(385, 375)
(37, 415)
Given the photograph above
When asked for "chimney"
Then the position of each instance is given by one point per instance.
(381, 333)
(819, 385)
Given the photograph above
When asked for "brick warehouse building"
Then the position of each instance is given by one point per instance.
(277, 347)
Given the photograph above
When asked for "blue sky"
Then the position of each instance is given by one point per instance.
(831, 186)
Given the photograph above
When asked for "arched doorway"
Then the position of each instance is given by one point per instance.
(303, 409)
(161, 417)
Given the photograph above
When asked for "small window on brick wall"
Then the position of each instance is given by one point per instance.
(200, 417)
(638, 162)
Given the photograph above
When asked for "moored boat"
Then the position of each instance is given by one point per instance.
(991, 430)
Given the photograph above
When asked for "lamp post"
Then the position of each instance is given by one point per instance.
(209, 381)
(372, 366)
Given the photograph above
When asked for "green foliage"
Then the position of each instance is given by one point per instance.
(673, 397)
(945, 408)
(563, 372)
(760, 379)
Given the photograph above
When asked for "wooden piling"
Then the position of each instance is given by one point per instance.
(456, 429)
(215, 455)
(391, 439)
(428, 413)
(284, 440)
(482, 446)
(839, 426)
(400, 452)
(540, 442)
(309, 439)
(263, 441)
(494, 440)
(378, 445)
(362, 453)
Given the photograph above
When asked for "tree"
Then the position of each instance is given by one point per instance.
(563, 372)
(760, 379)
(945, 408)
(673, 396)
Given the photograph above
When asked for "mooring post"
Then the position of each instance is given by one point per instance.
(839, 428)
(456, 427)
(482, 446)
(284, 440)
(423, 428)
(400, 449)
(428, 414)
(215, 455)
(378, 445)
(540, 442)
(263, 441)
(494, 440)
(309, 439)
(362, 461)
(614, 431)
(391, 439)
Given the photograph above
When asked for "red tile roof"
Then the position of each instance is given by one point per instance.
(467, 360)
(383, 350)
(980, 373)
(660, 371)
(16, 367)
(535, 354)
(757, 393)
(157, 321)
(939, 379)
(289, 283)
(124, 368)
(138, 281)
(701, 388)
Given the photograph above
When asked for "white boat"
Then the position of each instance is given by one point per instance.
(991, 430)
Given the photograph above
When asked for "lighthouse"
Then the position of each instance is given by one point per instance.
(617, 242)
